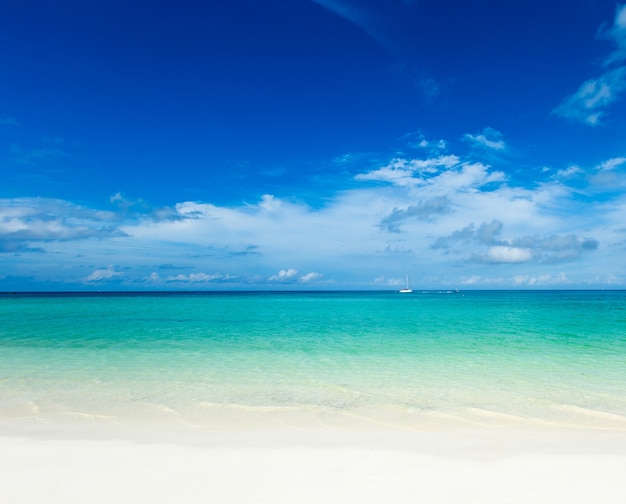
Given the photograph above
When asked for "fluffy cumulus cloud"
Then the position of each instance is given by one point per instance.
(447, 219)
(409, 172)
(502, 254)
(485, 233)
(28, 223)
(594, 96)
(284, 275)
(309, 277)
(104, 274)
(569, 172)
(291, 275)
(498, 249)
(439, 176)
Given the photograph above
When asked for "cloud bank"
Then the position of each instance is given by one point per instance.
(448, 220)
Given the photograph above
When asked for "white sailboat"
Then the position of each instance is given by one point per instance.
(407, 289)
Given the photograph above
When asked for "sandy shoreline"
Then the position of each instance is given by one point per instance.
(72, 463)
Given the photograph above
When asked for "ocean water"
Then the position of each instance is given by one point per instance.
(221, 360)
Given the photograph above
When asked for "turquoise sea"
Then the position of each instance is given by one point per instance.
(217, 360)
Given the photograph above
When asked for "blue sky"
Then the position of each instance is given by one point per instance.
(312, 144)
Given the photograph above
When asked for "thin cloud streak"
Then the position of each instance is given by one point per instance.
(489, 139)
(590, 102)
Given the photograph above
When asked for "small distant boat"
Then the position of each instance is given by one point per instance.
(407, 289)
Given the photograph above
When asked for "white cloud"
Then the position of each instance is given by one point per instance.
(469, 177)
(349, 158)
(360, 16)
(190, 279)
(269, 203)
(309, 277)
(402, 172)
(569, 172)
(617, 34)
(193, 278)
(501, 254)
(472, 280)
(423, 210)
(117, 197)
(525, 280)
(103, 274)
(28, 222)
(365, 18)
(540, 280)
(594, 96)
(284, 275)
(513, 249)
(442, 175)
(446, 222)
(489, 138)
(611, 164)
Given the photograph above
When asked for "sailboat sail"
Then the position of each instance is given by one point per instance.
(407, 287)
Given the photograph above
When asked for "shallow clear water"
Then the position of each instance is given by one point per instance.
(406, 359)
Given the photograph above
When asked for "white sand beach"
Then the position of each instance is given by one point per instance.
(79, 464)
(209, 410)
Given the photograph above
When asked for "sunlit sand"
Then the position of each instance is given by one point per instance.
(87, 461)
